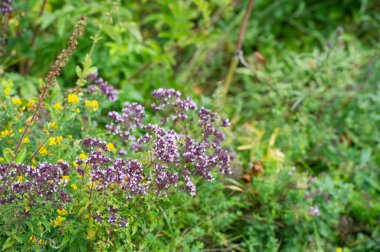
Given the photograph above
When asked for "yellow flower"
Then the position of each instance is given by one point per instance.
(57, 222)
(29, 121)
(75, 164)
(111, 147)
(73, 98)
(77, 110)
(92, 105)
(20, 179)
(339, 249)
(20, 130)
(55, 140)
(26, 139)
(58, 106)
(43, 151)
(7, 90)
(30, 105)
(83, 156)
(53, 125)
(74, 186)
(65, 178)
(1, 159)
(62, 211)
(33, 238)
(6, 133)
(16, 101)
(52, 141)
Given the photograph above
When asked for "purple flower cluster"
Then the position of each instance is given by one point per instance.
(112, 218)
(98, 83)
(41, 184)
(123, 124)
(175, 154)
(5, 6)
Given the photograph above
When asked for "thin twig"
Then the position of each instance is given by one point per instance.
(238, 51)
(138, 72)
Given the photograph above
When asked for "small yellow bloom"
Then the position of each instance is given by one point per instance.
(52, 141)
(33, 238)
(66, 178)
(73, 98)
(83, 156)
(29, 121)
(58, 106)
(6, 133)
(53, 125)
(55, 140)
(20, 130)
(30, 105)
(20, 179)
(43, 151)
(57, 222)
(26, 139)
(111, 147)
(1, 159)
(62, 211)
(7, 91)
(77, 110)
(75, 164)
(74, 186)
(16, 101)
(92, 106)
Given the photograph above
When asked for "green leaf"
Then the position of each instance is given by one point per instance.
(78, 70)
(30, 225)
(65, 240)
(56, 93)
(46, 225)
(8, 155)
(21, 156)
(8, 243)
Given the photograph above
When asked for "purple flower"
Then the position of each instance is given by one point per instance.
(314, 211)
(6, 6)
(104, 87)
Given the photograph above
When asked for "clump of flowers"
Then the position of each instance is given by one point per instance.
(146, 158)
(185, 142)
(39, 184)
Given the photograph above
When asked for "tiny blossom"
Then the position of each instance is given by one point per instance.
(99, 83)
(16, 101)
(92, 105)
(293, 169)
(225, 122)
(72, 98)
(58, 106)
(314, 211)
